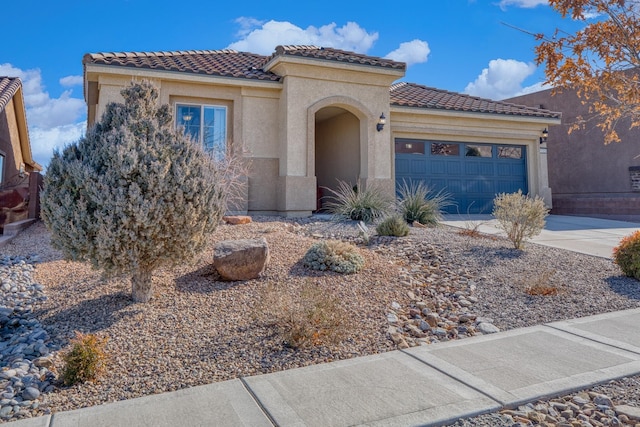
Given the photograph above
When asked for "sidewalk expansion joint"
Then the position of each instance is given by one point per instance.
(258, 402)
(442, 371)
(575, 334)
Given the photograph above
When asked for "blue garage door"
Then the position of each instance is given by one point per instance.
(471, 173)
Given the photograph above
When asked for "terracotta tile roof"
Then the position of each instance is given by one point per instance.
(8, 87)
(331, 54)
(225, 63)
(415, 95)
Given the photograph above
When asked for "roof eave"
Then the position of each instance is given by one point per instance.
(195, 77)
(504, 116)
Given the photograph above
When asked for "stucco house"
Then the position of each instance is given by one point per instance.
(309, 116)
(587, 176)
(19, 177)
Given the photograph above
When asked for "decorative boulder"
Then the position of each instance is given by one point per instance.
(243, 259)
(236, 219)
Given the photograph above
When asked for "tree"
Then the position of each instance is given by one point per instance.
(134, 194)
(598, 62)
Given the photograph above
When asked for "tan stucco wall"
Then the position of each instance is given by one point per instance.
(480, 128)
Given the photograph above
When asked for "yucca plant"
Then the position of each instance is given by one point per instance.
(358, 204)
(417, 202)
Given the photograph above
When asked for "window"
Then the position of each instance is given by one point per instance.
(472, 150)
(506, 152)
(409, 147)
(442, 149)
(207, 124)
(1, 168)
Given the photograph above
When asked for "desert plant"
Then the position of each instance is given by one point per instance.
(357, 203)
(333, 255)
(134, 194)
(86, 361)
(627, 255)
(305, 317)
(539, 283)
(393, 225)
(417, 202)
(520, 216)
(363, 231)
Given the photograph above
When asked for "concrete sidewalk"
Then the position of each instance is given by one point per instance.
(591, 236)
(428, 385)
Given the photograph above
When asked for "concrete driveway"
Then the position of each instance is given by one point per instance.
(592, 236)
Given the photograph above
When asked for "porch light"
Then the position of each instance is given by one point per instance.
(545, 135)
(381, 122)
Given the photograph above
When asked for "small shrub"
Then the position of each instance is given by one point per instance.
(305, 318)
(417, 202)
(86, 361)
(334, 255)
(393, 225)
(627, 255)
(358, 204)
(520, 216)
(539, 284)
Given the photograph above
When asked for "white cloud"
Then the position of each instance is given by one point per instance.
(502, 79)
(44, 141)
(413, 52)
(262, 37)
(527, 4)
(53, 122)
(69, 81)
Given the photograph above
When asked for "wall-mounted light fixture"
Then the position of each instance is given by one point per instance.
(21, 171)
(545, 135)
(381, 122)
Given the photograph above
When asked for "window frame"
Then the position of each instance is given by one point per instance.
(202, 107)
(3, 162)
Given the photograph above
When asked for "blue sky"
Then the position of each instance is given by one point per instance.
(467, 46)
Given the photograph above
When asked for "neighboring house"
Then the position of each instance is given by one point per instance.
(588, 177)
(19, 177)
(308, 116)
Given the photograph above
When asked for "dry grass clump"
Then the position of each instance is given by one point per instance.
(307, 317)
(540, 284)
(520, 216)
(86, 361)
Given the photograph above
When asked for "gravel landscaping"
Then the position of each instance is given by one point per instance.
(434, 285)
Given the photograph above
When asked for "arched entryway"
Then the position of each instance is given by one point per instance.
(337, 150)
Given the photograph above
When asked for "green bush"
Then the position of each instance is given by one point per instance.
(417, 202)
(627, 255)
(358, 204)
(393, 225)
(520, 216)
(86, 361)
(334, 255)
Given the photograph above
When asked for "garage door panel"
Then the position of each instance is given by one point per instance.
(418, 167)
(471, 180)
(438, 167)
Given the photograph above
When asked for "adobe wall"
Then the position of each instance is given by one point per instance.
(586, 176)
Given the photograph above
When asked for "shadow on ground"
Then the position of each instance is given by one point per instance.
(625, 286)
(89, 316)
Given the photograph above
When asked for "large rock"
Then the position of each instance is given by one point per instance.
(241, 259)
